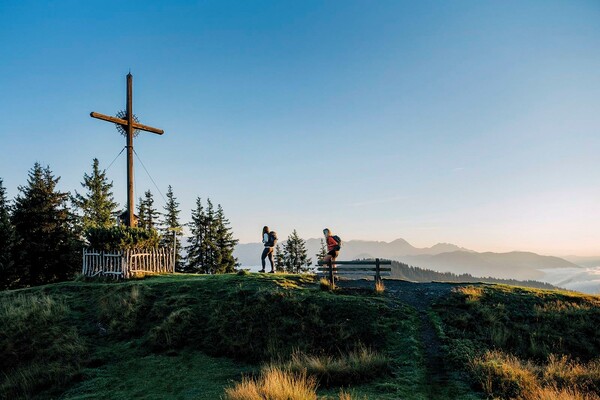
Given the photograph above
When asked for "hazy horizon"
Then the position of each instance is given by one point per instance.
(471, 123)
(428, 245)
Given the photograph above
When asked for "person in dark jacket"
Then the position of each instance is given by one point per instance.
(269, 238)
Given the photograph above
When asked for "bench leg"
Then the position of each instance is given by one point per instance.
(330, 265)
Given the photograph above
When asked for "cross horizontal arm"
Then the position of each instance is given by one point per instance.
(123, 122)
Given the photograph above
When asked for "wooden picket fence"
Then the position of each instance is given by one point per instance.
(127, 263)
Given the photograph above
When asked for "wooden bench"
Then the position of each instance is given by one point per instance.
(352, 268)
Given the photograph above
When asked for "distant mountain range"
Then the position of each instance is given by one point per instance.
(442, 257)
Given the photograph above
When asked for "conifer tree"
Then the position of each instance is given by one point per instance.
(295, 258)
(278, 258)
(142, 221)
(97, 204)
(225, 243)
(171, 228)
(322, 251)
(210, 249)
(7, 240)
(195, 259)
(46, 248)
(148, 215)
(210, 246)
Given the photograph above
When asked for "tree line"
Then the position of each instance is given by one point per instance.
(43, 229)
(410, 273)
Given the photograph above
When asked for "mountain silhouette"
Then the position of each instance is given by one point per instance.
(442, 257)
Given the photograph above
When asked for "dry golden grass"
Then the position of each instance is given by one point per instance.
(379, 287)
(360, 365)
(550, 393)
(325, 284)
(274, 384)
(505, 376)
(472, 293)
(566, 373)
(343, 395)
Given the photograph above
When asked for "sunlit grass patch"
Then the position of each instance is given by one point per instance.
(357, 366)
(564, 372)
(325, 285)
(506, 376)
(344, 395)
(274, 384)
(562, 306)
(551, 393)
(503, 375)
(472, 293)
(379, 287)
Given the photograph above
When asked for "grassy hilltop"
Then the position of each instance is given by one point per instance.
(211, 337)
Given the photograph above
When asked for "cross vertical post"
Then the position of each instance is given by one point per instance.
(130, 196)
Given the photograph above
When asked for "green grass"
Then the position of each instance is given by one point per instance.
(192, 336)
(530, 323)
(37, 346)
(121, 333)
(521, 343)
(189, 375)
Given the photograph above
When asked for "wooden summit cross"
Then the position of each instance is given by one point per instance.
(129, 125)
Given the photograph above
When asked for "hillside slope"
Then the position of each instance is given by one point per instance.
(191, 336)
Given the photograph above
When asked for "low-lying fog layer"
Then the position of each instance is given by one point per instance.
(582, 279)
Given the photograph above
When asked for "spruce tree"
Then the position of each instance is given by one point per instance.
(295, 258)
(46, 248)
(278, 258)
(142, 221)
(195, 259)
(148, 215)
(171, 227)
(210, 248)
(96, 205)
(7, 240)
(322, 251)
(225, 243)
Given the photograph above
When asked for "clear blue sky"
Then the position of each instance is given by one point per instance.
(469, 122)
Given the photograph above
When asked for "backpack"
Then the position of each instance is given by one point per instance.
(339, 242)
(272, 239)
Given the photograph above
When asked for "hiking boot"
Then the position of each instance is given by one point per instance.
(261, 270)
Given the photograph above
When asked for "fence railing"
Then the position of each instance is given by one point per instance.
(126, 263)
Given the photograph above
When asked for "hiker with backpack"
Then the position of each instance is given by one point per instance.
(269, 239)
(334, 244)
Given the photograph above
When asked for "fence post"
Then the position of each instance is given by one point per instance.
(125, 262)
(377, 271)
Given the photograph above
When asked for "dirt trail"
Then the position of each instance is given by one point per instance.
(421, 296)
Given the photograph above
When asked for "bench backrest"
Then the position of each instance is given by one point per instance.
(362, 267)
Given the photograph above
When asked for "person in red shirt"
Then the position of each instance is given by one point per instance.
(333, 247)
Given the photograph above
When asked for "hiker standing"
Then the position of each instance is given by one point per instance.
(333, 247)
(269, 239)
